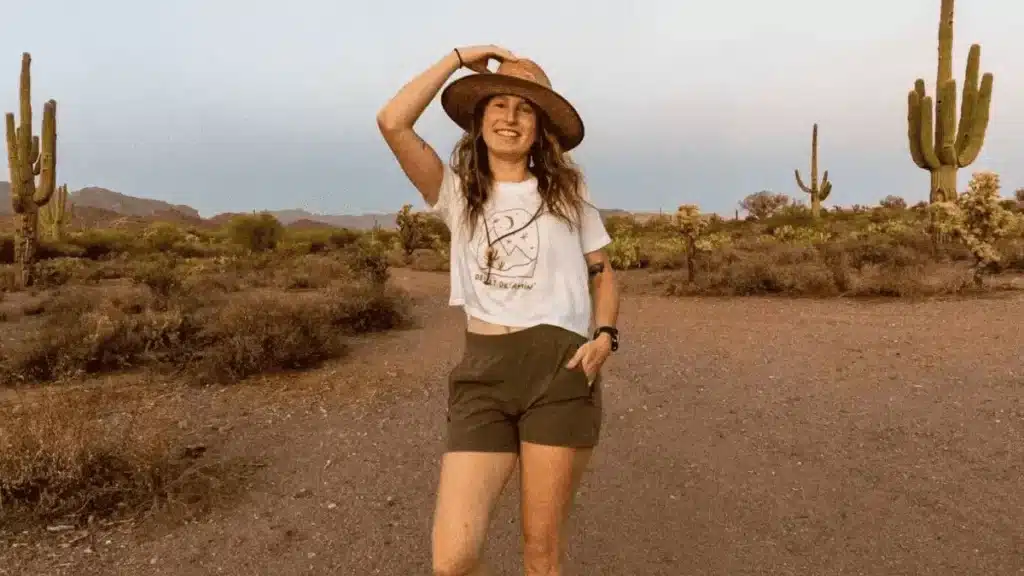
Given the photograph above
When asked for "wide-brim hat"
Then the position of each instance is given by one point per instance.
(523, 78)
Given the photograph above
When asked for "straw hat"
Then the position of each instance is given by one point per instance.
(523, 78)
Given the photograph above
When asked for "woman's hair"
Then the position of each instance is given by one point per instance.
(559, 180)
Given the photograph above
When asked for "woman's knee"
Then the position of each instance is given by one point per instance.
(541, 552)
(456, 564)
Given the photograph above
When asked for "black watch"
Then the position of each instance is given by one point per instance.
(611, 331)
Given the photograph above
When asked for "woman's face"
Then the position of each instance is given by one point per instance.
(509, 126)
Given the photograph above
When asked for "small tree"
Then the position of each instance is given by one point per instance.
(977, 219)
(691, 225)
(893, 203)
(256, 232)
(764, 204)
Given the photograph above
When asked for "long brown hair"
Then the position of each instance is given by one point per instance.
(559, 179)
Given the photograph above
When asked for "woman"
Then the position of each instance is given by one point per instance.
(526, 259)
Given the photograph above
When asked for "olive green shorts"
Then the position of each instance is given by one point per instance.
(512, 388)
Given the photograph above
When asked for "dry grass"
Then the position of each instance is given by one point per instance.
(207, 313)
(69, 455)
(216, 322)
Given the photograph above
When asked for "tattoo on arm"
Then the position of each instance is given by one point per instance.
(595, 269)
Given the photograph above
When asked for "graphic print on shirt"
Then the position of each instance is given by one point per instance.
(515, 254)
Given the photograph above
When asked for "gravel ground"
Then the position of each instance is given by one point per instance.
(743, 436)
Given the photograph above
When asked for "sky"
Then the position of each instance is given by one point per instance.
(231, 105)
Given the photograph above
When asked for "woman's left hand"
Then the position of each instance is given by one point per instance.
(591, 356)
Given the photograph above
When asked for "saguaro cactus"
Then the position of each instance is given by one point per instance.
(27, 160)
(952, 146)
(818, 192)
(55, 214)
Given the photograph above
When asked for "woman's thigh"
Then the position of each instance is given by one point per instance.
(469, 487)
(550, 476)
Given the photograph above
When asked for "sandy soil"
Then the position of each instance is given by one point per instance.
(742, 436)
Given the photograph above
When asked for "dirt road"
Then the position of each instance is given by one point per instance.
(742, 436)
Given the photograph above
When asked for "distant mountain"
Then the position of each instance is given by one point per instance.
(130, 205)
(355, 222)
(101, 201)
(108, 200)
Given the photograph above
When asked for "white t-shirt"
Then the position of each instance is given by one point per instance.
(539, 274)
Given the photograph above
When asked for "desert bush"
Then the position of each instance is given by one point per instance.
(68, 455)
(429, 260)
(369, 259)
(255, 232)
(59, 271)
(853, 267)
(168, 319)
(93, 244)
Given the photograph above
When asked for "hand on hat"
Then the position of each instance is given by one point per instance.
(476, 58)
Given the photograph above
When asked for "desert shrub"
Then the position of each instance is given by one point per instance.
(854, 266)
(342, 238)
(58, 459)
(68, 456)
(370, 260)
(661, 253)
(214, 336)
(262, 332)
(255, 232)
(159, 273)
(60, 271)
(95, 244)
(162, 236)
(429, 261)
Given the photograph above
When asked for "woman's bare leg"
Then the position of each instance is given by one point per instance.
(549, 478)
(470, 485)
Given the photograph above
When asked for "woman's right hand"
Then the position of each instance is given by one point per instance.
(476, 58)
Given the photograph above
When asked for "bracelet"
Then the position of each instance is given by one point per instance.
(461, 63)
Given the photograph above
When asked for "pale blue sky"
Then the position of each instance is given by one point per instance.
(239, 105)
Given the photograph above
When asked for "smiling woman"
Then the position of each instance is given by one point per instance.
(527, 248)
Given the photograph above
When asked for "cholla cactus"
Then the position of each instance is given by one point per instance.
(691, 225)
(410, 229)
(624, 251)
(976, 218)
